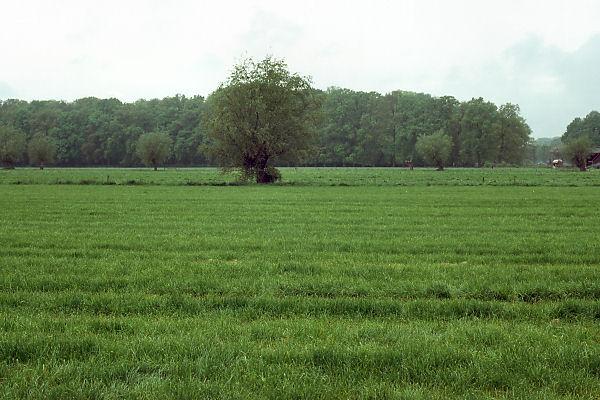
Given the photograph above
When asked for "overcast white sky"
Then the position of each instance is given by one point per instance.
(543, 55)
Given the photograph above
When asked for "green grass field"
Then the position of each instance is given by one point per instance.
(307, 177)
(355, 283)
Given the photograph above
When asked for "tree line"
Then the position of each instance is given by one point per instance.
(276, 114)
(353, 129)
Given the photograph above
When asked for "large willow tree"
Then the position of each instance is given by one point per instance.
(260, 116)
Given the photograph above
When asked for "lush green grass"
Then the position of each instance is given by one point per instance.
(299, 292)
(309, 177)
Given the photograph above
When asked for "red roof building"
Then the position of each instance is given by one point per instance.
(594, 159)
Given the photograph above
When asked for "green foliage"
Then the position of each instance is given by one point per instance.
(93, 131)
(351, 132)
(514, 135)
(480, 125)
(352, 292)
(435, 148)
(261, 115)
(350, 128)
(153, 148)
(12, 146)
(578, 150)
(588, 126)
(41, 150)
(370, 129)
(414, 115)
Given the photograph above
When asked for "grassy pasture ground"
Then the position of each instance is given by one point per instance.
(408, 289)
(308, 177)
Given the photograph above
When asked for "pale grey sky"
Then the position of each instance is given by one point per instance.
(543, 55)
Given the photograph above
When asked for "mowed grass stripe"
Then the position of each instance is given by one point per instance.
(221, 356)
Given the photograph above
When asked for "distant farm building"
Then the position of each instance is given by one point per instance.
(593, 160)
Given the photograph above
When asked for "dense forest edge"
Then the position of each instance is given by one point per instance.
(354, 129)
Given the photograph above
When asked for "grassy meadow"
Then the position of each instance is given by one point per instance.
(307, 176)
(336, 284)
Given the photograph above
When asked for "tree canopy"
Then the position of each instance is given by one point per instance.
(435, 148)
(12, 146)
(577, 150)
(334, 127)
(588, 126)
(41, 150)
(261, 115)
(153, 148)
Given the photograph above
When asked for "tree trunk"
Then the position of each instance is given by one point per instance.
(581, 163)
(262, 176)
(440, 165)
(264, 173)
